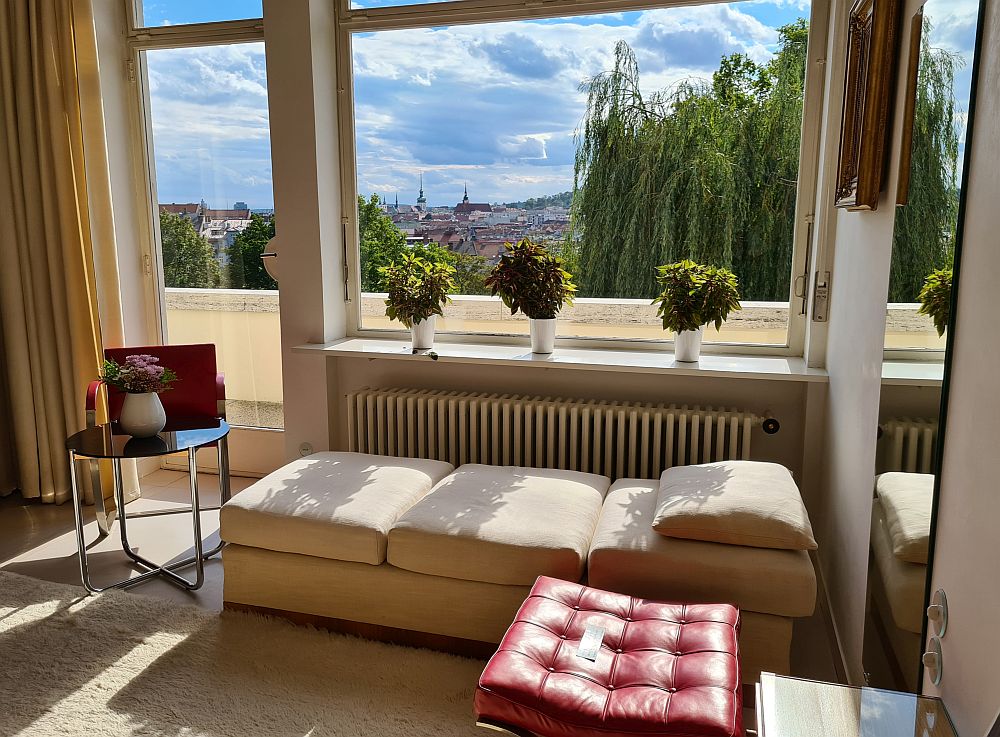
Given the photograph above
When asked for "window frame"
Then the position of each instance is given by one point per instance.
(467, 12)
(139, 39)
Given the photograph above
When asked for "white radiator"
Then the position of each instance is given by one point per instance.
(907, 445)
(617, 439)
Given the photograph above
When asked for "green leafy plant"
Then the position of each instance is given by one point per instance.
(935, 298)
(531, 280)
(693, 295)
(417, 288)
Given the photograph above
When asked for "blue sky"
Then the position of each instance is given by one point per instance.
(491, 105)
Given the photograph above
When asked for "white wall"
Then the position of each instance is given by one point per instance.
(131, 226)
(862, 252)
(967, 557)
(302, 105)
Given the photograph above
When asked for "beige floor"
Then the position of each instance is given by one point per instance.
(38, 540)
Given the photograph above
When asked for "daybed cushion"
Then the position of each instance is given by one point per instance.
(907, 499)
(501, 524)
(734, 502)
(629, 557)
(330, 505)
(903, 583)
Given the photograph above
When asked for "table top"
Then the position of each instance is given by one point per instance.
(793, 707)
(108, 441)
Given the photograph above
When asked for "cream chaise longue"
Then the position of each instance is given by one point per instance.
(403, 545)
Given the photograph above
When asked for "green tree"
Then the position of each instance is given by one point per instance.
(705, 171)
(924, 236)
(382, 244)
(245, 269)
(470, 273)
(188, 261)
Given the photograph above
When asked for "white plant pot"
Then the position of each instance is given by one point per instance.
(142, 415)
(423, 334)
(543, 335)
(687, 345)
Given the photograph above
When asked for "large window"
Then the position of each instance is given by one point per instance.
(208, 131)
(924, 236)
(620, 141)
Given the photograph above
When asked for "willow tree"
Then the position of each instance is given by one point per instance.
(706, 171)
(924, 238)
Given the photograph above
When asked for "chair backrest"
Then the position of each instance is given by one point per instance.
(193, 397)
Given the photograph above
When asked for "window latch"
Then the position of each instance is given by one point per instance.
(821, 297)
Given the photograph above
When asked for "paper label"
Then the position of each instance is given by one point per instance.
(591, 642)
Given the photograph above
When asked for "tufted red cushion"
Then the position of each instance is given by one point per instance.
(663, 669)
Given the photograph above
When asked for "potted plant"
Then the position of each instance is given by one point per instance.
(418, 290)
(692, 296)
(935, 298)
(142, 379)
(531, 280)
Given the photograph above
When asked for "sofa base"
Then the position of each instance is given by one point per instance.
(380, 633)
(387, 603)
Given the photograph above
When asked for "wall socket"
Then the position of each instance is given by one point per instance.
(305, 449)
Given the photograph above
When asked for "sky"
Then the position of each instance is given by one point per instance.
(491, 106)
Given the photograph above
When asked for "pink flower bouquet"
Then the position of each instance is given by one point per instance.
(140, 374)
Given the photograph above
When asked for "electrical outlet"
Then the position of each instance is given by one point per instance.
(305, 449)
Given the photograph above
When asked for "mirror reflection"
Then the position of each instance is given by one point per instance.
(938, 69)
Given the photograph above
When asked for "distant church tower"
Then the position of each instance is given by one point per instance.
(421, 200)
(465, 199)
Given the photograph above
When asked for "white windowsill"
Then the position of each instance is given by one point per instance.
(774, 368)
(912, 373)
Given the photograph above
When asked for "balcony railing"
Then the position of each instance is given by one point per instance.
(243, 324)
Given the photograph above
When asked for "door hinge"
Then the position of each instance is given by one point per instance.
(821, 297)
(130, 69)
(147, 264)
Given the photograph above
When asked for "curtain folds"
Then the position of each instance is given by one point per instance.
(53, 206)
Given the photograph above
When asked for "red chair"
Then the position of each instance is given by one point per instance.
(198, 397)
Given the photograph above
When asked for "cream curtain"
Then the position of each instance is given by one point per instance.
(56, 209)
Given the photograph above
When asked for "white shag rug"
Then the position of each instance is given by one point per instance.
(126, 664)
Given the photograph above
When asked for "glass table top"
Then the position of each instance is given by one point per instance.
(108, 441)
(793, 707)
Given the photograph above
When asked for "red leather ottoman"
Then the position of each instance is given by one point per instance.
(661, 669)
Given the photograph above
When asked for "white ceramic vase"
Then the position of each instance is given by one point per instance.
(423, 334)
(543, 335)
(687, 345)
(142, 415)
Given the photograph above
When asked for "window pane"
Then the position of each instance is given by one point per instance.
(213, 178)
(677, 128)
(179, 12)
(924, 236)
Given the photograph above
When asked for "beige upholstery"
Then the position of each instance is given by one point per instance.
(628, 556)
(387, 596)
(501, 524)
(330, 505)
(903, 582)
(380, 595)
(734, 502)
(906, 647)
(906, 500)
(765, 645)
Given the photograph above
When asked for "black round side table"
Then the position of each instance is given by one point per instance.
(107, 441)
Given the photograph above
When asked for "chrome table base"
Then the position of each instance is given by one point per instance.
(151, 569)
